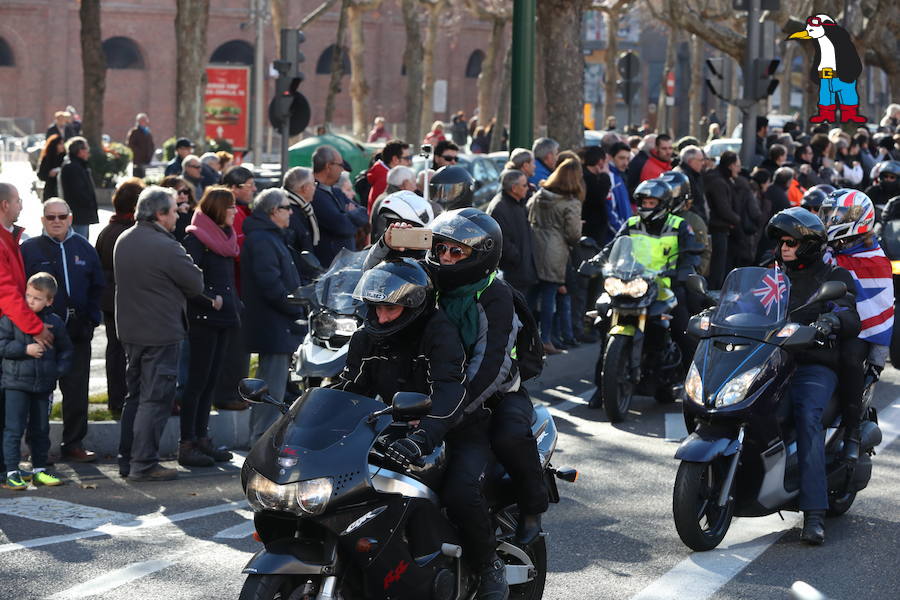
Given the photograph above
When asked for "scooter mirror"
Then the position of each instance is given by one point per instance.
(253, 390)
(696, 284)
(311, 263)
(303, 296)
(590, 268)
(410, 405)
(830, 290)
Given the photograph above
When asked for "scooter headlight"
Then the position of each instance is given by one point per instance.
(616, 287)
(736, 389)
(300, 498)
(345, 326)
(693, 385)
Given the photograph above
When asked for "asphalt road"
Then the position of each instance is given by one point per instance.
(611, 536)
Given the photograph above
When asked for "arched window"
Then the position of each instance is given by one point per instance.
(235, 52)
(323, 65)
(122, 53)
(473, 67)
(7, 58)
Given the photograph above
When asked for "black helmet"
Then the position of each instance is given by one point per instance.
(399, 282)
(654, 188)
(892, 167)
(815, 196)
(890, 188)
(803, 226)
(451, 187)
(681, 188)
(469, 227)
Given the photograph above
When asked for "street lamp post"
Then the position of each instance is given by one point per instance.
(521, 130)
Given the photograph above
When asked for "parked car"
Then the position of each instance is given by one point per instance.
(715, 148)
(483, 170)
(499, 159)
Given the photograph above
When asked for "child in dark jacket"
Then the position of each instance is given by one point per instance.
(29, 375)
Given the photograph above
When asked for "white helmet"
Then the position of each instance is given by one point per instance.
(404, 206)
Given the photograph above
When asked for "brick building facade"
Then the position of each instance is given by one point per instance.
(40, 65)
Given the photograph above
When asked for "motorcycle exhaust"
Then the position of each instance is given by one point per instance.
(870, 436)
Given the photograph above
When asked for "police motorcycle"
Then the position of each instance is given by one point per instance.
(741, 459)
(339, 520)
(332, 318)
(889, 239)
(632, 316)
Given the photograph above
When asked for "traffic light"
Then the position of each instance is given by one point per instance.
(762, 82)
(289, 108)
(629, 67)
(290, 51)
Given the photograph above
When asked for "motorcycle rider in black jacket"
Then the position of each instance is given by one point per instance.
(800, 239)
(408, 344)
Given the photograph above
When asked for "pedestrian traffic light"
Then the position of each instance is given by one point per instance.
(762, 82)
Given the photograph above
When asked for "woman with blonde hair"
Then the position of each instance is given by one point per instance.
(436, 134)
(554, 213)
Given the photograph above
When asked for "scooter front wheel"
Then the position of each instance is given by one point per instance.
(616, 385)
(700, 521)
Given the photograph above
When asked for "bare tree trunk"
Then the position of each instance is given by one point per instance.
(561, 47)
(279, 13)
(191, 21)
(93, 63)
(487, 77)
(810, 90)
(412, 59)
(337, 65)
(663, 109)
(696, 93)
(503, 104)
(359, 89)
(610, 90)
(428, 68)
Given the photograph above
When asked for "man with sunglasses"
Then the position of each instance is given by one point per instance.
(395, 153)
(445, 153)
(75, 264)
(800, 241)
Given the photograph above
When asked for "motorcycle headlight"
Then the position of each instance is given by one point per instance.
(300, 498)
(736, 389)
(693, 385)
(614, 286)
(323, 325)
(345, 326)
(636, 288)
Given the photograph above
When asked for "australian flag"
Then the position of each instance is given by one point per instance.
(771, 290)
(871, 271)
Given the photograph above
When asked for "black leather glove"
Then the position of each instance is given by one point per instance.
(409, 450)
(828, 325)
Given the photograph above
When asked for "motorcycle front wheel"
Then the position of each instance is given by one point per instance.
(617, 387)
(267, 587)
(700, 521)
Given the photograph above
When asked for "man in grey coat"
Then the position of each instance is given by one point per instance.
(154, 277)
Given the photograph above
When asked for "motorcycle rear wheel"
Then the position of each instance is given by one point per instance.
(895, 349)
(537, 554)
(701, 523)
(617, 389)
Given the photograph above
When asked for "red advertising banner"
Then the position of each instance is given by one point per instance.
(226, 105)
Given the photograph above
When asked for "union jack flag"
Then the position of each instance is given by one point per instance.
(771, 290)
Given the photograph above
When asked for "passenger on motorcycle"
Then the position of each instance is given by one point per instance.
(801, 239)
(849, 217)
(400, 207)
(409, 344)
(815, 197)
(661, 242)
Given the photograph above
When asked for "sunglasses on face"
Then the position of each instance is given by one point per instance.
(449, 157)
(286, 207)
(55, 217)
(455, 251)
(183, 192)
(791, 243)
(406, 158)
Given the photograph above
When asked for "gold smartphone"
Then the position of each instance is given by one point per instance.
(413, 238)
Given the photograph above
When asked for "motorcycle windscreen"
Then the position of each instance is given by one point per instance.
(334, 289)
(753, 297)
(629, 259)
(327, 433)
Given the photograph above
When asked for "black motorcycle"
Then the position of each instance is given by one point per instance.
(741, 459)
(341, 521)
(632, 317)
(890, 243)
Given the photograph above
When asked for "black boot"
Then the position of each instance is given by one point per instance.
(219, 454)
(851, 446)
(493, 584)
(813, 527)
(528, 530)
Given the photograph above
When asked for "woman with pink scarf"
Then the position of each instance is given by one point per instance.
(212, 243)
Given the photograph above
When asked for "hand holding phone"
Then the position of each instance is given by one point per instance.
(412, 238)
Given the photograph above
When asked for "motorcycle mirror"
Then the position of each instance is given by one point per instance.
(311, 263)
(410, 405)
(697, 285)
(590, 268)
(830, 290)
(303, 296)
(257, 392)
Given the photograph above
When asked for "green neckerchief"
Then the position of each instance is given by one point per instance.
(460, 306)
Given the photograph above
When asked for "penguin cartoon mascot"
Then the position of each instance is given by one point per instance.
(836, 67)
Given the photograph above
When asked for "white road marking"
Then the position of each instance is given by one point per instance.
(675, 429)
(60, 512)
(112, 580)
(700, 575)
(238, 531)
(137, 525)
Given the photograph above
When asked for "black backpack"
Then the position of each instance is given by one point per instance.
(529, 350)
